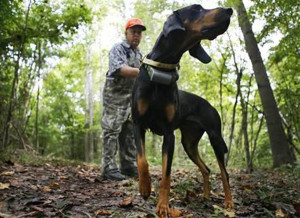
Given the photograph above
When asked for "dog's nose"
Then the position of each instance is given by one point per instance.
(229, 11)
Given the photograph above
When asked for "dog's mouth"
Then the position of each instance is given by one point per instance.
(213, 31)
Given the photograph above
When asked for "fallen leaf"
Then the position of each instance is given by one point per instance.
(279, 213)
(17, 165)
(54, 185)
(46, 189)
(127, 202)
(63, 179)
(117, 194)
(37, 208)
(4, 185)
(23, 170)
(103, 213)
(31, 214)
(216, 207)
(288, 208)
(175, 213)
(229, 213)
(10, 173)
(14, 182)
(188, 215)
(4, 215)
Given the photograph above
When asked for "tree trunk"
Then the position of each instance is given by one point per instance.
(89, 113)
(239, 75)
(244, 104)
(15, 81)
(246, 138)
(221, 71)
(261, 122)
(279, 146)
(37, 142)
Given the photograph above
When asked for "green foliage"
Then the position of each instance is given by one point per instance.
(29, 33)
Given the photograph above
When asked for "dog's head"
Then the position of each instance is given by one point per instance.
(185, 29)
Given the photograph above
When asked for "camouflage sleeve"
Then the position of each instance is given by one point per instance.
(117, 59)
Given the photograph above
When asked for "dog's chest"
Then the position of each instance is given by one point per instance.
(162, 111)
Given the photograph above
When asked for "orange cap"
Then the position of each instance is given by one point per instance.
(135, 22)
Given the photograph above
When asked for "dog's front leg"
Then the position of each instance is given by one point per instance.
(162, 207)
(142, 164)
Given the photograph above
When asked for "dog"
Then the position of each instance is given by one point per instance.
(158, 105)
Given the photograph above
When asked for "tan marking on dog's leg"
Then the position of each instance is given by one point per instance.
(205, 174)
(170, 112)
(228, 198)
(142, 106)
(162, 208)
(144, 176)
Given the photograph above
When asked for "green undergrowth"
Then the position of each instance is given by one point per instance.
(32, 158)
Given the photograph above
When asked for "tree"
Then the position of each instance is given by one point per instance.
(282, 19)
(23, 29)
(89, 113)
(279, 145)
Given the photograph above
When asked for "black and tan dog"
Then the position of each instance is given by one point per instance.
(158, 105)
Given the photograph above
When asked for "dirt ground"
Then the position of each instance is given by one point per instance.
(53, 190)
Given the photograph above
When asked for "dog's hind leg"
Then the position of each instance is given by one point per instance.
(220, 149)
(189, 139)
(142, 164)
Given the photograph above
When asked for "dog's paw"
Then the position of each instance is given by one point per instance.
(145, 185)
(228, 203)
(163, 210)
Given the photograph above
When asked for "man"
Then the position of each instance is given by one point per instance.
(117, 128)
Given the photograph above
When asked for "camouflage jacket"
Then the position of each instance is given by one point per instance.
(117, 89)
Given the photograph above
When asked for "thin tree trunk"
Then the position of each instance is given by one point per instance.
(89, 141)
(244, 104)
(221, 71)
(37, 141)
(256, 138)
(15, 81)
(279, 145)
(239, 74)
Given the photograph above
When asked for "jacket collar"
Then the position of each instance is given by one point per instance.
(127, 45)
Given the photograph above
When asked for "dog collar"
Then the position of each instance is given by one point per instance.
(160, 65)
(159, 76)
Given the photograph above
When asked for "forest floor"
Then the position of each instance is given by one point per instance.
(64, 190)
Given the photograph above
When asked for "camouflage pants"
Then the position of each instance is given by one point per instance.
(117, 132)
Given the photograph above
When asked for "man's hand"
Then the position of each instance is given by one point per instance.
(129, 72)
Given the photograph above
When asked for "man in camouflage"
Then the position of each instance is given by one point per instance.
(117, 128)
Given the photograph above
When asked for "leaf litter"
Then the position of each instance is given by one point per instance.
(79, 191)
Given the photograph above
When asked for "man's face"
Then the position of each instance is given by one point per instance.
(134, 36)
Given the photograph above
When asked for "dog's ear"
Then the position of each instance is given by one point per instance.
(172, 24)
(197, 51)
